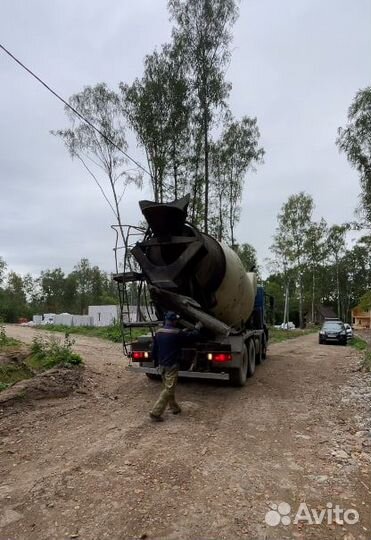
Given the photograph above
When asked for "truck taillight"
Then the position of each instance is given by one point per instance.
(139, 355)
(219, 357)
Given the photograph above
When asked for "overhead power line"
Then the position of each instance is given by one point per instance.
(75, 111)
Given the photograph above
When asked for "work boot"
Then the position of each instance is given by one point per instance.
(155, 418)
(176, 410)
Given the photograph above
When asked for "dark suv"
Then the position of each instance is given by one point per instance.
(333, 332)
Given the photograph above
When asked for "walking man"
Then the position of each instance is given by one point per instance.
(166, 353)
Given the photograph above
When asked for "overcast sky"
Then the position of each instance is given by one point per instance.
(296, 65)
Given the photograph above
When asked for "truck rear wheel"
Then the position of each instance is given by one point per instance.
(258, 350)
(238, 376)
(264, 346)
(251, 356)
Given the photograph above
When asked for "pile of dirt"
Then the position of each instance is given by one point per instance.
(53, 383)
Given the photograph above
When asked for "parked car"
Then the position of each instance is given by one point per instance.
(349, 331)
(333, 332)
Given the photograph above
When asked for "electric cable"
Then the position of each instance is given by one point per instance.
(75, 111)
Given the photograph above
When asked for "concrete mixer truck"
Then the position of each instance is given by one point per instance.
(202, 280)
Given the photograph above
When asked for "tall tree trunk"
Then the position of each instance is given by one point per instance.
(301, 322)
(220, 234)
(286, 308)
(175, 172)
(231, 228)
(161, 182)
(206, 153)
(313, 293)
(155, 186)
(338, 286)
(196, 182)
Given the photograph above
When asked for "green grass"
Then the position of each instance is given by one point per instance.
(12, 373)
(51, 352)
(362, 346)
(7, 343)
(112, 333)
(44, 354)
(358, 343)
(277, 335)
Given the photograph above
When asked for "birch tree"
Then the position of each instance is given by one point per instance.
(336, 248)
(315, 247)
(158, 109)
(102, 160)
(355, 141)
(294, 224)
(203, 30)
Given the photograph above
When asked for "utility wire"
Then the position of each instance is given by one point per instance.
(73, 109)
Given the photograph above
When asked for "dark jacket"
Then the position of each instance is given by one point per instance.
(168, 343)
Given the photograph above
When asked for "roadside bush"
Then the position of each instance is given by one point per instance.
(113, 333)
(50, 352)
(5, 341)
(277, 335)
(358, 343)
(3, 338)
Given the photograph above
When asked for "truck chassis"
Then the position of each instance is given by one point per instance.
(232, 358)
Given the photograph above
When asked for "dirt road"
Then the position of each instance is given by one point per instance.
(92, 466)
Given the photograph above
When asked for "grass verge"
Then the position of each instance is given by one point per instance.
(7, 343)
(358, 343)
(50, 352)
(362, 346)
(112, 333)
(276, 335)
(44, 354)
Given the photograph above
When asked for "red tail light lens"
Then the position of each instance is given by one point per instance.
(220, 357)
(140, 355)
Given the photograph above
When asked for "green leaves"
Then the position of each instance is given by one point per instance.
(51, 351)
(365, 301)
(103, 160)
(55, 292)
(158, 108)
(355, 141)
(232, 156)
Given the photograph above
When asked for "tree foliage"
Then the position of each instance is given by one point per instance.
(355, 141)
(294, 225)
(247, 254)
(103, 109)
(365, 301)
(53, 291)
(176, 109)
(203, 31)
(2, 269)
(313, 264)
(158, 108)
(236, 152)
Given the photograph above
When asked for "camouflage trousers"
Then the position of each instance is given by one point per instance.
(167, 396)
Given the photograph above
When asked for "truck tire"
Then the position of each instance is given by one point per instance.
(264, 346)
(259, 350)
(251, 356)
(238, 376)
